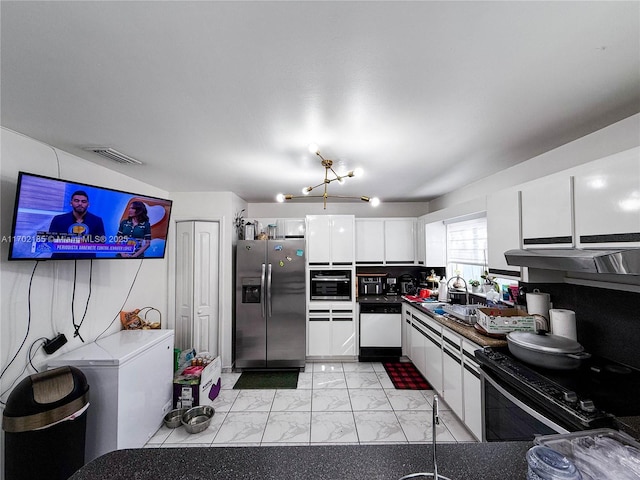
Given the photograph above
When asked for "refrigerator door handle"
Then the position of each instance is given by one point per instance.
(269, 310)
(263, 302)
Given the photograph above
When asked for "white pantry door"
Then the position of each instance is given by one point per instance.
(197, 253)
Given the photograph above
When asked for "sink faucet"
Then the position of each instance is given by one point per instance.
(435, 420)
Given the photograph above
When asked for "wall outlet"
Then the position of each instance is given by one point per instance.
(167, 407)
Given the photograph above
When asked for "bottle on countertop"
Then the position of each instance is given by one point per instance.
(442, 290)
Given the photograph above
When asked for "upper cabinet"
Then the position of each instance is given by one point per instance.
(503, 230)
(385, 240)
(435, 244)
(330, 239)
(547, 212)
(369, 240)
(421, 242)
(400, 240)
(607, 201)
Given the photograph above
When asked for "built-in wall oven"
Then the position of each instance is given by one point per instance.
(521, 401)
(332, 285)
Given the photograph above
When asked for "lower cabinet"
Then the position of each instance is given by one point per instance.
(452, 372)
(418, 343)
(472, 389)
(433, 370)
(447, 361)
(331, 332)
(406, 330)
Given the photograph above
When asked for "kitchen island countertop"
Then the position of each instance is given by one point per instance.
(461, 461)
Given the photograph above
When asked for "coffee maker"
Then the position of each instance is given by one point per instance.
(391, 286)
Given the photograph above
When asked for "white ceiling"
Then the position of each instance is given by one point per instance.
(226, 96)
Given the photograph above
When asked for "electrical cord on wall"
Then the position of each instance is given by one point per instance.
(30, 356)
(123, 303)
(76, 327)
(26, 335)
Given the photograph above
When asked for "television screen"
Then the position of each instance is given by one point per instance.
(64, 220)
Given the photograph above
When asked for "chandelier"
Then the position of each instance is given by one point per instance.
(330, 175)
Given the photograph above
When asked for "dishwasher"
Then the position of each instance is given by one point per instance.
(380, 332)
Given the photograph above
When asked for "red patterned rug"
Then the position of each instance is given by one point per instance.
(405, 376)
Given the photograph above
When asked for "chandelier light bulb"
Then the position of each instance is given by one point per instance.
(330, 176)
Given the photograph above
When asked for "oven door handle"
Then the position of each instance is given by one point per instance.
(518, 403)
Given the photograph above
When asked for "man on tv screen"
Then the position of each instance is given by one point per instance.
(78, 224)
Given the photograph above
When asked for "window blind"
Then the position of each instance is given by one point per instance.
(467, 242)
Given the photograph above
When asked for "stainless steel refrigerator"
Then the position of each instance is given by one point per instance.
(270, 323)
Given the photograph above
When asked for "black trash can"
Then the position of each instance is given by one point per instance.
(45, 423)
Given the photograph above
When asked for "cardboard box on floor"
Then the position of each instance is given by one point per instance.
(189, 391)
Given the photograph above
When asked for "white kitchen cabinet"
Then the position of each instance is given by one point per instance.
(503, 230)
(418, 344)
(472, 389)
(447, 361)
(330, 239)
(385, 240)
(452, 372)
(331, 330)
(433, 350)
(369, 240)
(607, 201)
(285, 227)
(406, 330)
(421, 242)
(547, 212)
(436, 244)
(399, 240)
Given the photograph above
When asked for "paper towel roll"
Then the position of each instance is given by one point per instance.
(563, 323)
(539, 303)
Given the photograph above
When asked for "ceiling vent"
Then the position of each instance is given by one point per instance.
(114, 155)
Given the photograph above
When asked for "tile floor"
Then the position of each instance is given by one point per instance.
(335, 403)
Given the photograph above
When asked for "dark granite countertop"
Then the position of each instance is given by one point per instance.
(379, 299)
(462, 461)
(464, 330)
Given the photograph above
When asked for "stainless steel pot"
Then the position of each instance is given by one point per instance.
(545, 350)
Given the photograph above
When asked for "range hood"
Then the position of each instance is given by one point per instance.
(617, 261)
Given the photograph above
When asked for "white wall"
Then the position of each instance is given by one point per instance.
(618, 137)
(211, 206)
(53, 281)
(302, 208)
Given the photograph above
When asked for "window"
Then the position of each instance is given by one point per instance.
(467, 248)
(467, 253)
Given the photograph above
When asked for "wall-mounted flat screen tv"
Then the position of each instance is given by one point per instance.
(65, 220)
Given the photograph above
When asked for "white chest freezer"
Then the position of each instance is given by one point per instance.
(130, 377)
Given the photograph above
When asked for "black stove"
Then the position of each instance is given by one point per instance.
(584, 398)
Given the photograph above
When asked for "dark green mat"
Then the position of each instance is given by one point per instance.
(267, 380)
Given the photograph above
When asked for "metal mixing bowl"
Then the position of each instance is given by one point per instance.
(197, 419)
(174, 417)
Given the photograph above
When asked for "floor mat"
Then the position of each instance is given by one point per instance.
(405, 376)
(267, 380)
